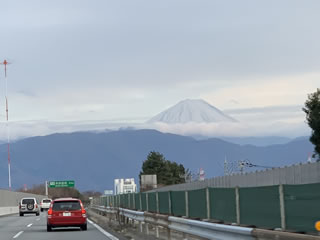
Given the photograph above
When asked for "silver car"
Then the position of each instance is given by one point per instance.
(28, 205)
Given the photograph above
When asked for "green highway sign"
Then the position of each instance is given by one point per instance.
(57, 184)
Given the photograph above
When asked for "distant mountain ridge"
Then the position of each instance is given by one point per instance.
(192, 110)
(94, 160)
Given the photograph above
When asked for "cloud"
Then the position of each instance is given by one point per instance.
(235, 129)
(269, 91)
(78, 61)
(268, 109)
(18, 130)
(261, 126)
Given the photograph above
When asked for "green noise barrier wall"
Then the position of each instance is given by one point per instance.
(144, 201)
(223, 204)
(122, 200)
(114, 201)
(302, 206)
(126, 200)
(118, 201)
(132, 201)
(163, 202)
(178, 203)
(197, 203)
(152, 202)
(137, 201)
(260, 206)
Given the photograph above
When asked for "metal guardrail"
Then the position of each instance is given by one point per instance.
(105, 209)
(209, 230)
(135, 215)
(193, 227)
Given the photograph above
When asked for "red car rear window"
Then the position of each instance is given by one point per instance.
(66, 206)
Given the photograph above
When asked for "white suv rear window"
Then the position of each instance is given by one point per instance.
(28, 201)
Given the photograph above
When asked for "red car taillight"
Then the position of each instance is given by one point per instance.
(19, 206)
(50, 211)
(83, 211)
(36, 205)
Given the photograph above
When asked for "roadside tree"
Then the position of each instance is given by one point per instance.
(312, 110)
(167, 172)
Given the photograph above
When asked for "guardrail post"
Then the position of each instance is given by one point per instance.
(157, 232)
(168, 233)
(208, 202)
(158, 211)
(237, 204)
(170, 205)
(187, 203)
(184, 236)
(282, 208)
(157, 202)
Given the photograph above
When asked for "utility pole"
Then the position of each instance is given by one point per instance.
(5, 63)
(46, 183)
(225, 166)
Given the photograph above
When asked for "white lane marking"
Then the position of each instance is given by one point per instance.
(103, 231)
(37, 219)
(18, 234)
(29, 225)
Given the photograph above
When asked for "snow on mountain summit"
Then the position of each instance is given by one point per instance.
(192, 110)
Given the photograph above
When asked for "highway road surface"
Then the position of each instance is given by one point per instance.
(31, 227)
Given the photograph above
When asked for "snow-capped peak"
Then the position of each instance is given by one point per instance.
(192, 110)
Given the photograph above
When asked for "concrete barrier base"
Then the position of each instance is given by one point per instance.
(8, 210)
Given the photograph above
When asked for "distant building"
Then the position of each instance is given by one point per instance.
(201, 175)
(108, 192)
(148, 182)
(124, 186)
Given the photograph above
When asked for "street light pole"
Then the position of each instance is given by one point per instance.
(46, 183)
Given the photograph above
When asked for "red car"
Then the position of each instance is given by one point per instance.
(66, 212)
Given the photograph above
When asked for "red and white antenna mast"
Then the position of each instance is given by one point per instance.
(5, 63)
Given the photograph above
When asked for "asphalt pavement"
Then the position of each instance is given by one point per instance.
(31, 227)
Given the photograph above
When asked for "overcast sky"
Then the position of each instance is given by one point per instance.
(100, 60)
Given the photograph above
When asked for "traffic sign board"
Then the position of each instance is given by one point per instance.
(56, 184)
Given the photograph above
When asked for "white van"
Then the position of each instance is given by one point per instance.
(45, 204)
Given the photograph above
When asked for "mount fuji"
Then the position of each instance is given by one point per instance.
(192, 110)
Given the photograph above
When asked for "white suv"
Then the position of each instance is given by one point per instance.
(28, 205)
(45, 204)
